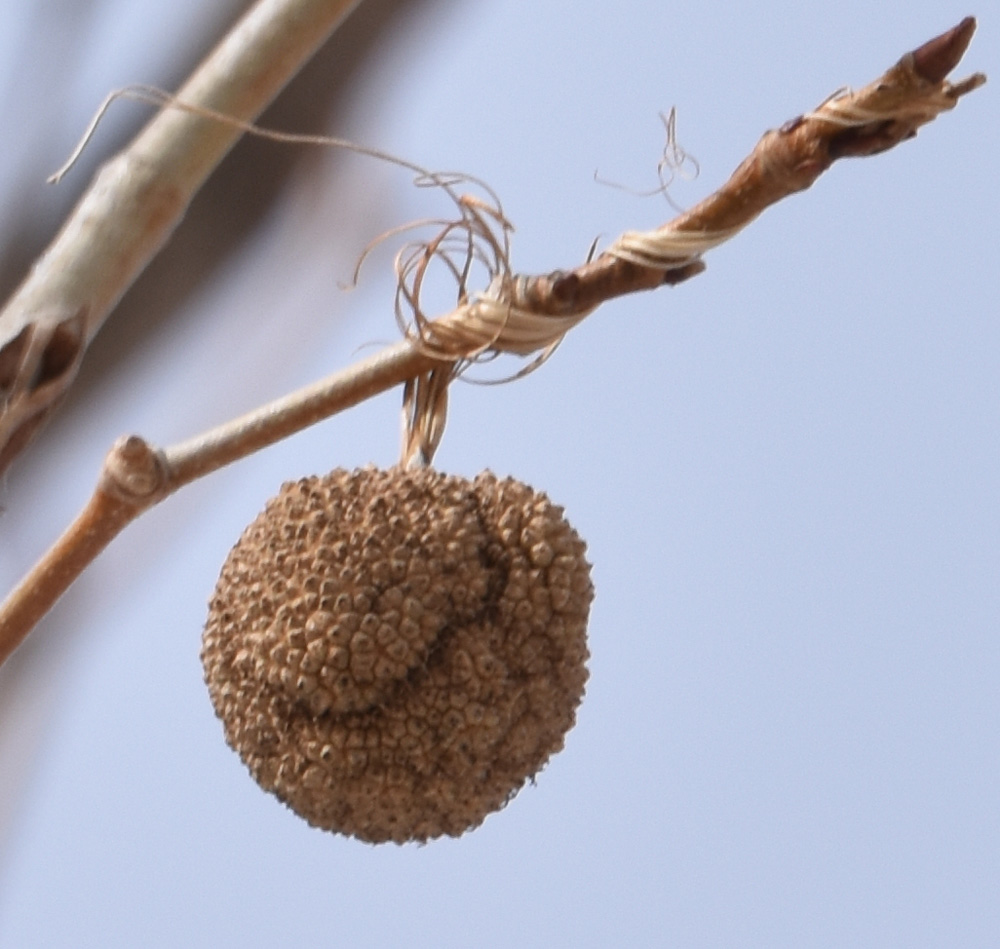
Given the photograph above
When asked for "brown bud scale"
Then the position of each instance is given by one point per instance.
(394, 653)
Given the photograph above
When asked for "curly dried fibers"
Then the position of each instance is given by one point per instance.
(394, 653)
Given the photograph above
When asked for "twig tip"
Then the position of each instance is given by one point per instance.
(939, 56)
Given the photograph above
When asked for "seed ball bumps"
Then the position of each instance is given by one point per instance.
(394, 653)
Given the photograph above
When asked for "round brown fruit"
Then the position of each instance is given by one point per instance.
(394, 653)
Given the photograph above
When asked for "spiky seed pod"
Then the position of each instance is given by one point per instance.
(394, 653)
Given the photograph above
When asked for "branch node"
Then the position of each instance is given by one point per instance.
(134, 472)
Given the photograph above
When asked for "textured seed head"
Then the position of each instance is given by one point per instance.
(394, 653)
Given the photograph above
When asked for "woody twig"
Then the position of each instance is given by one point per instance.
(786, 160)
(524, 315)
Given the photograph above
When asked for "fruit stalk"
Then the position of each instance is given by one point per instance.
(518, 314)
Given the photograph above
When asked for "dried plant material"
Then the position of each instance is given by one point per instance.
(425, 411)
(478, 238)
(37, 366)
(394, 653)
(674, 163)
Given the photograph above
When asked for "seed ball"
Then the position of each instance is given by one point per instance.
(395, 653)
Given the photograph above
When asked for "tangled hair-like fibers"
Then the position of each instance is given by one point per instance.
(394, 653)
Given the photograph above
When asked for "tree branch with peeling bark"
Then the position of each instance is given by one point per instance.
(134, 204)
(525, 315)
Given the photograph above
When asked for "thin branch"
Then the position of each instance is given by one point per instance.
(786, 160)
(515, 314)
(134, 204)
(135, 476)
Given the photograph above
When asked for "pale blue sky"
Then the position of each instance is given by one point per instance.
(786, 470)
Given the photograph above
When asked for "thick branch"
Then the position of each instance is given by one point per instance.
(135, 202)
